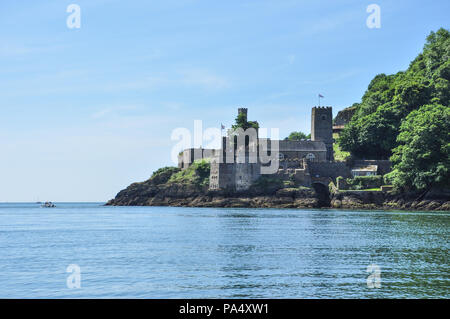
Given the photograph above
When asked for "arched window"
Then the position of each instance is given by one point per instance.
(310, 157)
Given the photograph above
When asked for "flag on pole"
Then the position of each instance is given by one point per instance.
(222, 127)
(320, 96)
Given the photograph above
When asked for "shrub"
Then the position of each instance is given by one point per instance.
(364, 182)
(197, 174)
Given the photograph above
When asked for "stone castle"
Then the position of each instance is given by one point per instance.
(310, 163)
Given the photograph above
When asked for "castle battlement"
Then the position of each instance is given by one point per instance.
(323, 107)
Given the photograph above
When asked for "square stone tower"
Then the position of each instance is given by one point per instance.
(322, 128)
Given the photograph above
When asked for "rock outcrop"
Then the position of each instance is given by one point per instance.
(146, 194)
(439, 201)
(170, 186)
(161, 193)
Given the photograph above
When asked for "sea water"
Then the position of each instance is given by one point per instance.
(87, 250)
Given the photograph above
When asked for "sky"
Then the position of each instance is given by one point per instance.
(86, 111)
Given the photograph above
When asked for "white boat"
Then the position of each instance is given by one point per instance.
(48, 204)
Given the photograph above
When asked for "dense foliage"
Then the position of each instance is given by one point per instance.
(422, 159)
(298, 136)
(405, 116)
(373, 130)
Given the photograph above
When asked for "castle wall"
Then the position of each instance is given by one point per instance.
(330, 169)
(320, 156)
(238, 176)
(300, 175)
(246, 174)
(222, 175)
(291, 163)
(300, 149)
(188, 156)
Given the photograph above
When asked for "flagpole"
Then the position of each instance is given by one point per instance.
(320, 96)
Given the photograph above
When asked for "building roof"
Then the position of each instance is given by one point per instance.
(366, 168)
(338, 127)
(302, 146)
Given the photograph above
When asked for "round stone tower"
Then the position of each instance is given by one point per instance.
(244, 111)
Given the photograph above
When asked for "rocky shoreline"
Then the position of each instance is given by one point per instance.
(151, 193)
(432, 201)
(187, 196)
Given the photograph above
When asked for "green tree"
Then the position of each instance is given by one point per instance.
(422, 159)
(297, 136)
(241, 122)
(372, 131)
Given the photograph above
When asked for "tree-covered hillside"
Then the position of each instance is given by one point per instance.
(386, 118)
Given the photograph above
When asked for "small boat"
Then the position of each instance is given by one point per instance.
(48, 204)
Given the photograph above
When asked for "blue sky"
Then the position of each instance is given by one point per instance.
(85, 112)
